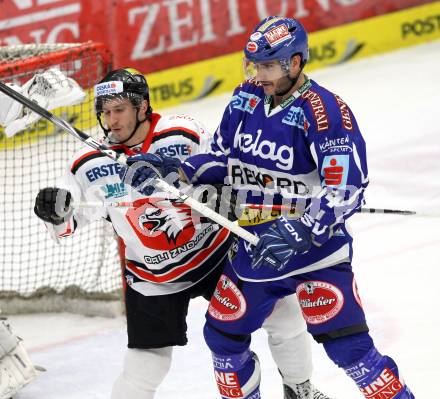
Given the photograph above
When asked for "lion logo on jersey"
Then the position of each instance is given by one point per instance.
(168, 220)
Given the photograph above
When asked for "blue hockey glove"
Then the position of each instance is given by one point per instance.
(144, 168)
(280, 242)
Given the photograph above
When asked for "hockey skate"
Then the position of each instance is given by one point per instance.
(303, 391)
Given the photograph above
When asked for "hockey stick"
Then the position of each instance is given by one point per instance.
(399, 212)
(118, 204)
(103, 204)
(122, 159)
(361, 210)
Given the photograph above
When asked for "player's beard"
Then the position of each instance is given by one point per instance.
(285, 84)
(113, 139)
(121, 137)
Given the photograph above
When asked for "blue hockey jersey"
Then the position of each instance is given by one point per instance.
(306, 152)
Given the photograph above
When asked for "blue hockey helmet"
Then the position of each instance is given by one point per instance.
(277, 38)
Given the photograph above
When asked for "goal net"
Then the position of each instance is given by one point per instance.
(37, 274)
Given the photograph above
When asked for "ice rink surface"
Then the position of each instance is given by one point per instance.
(396, 100)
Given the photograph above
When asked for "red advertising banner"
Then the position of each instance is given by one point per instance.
(154, 35)
(39, 21)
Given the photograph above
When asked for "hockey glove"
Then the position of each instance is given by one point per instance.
(53, 205)
(280, 242)
(144, 168)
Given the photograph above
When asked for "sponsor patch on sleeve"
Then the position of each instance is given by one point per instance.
(336, 145)
(345, 113)
(335, 170)
(318, 108)
(245, 102)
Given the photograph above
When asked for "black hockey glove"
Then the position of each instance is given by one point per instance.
(53, 205)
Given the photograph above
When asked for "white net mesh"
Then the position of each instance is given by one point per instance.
(86, 265)
(23, 51)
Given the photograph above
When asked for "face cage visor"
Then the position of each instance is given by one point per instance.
(266, 70)
(115, 101)
(116, 89)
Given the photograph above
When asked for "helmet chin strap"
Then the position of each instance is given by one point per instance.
(138, 123)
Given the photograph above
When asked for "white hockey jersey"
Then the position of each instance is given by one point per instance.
(167, 247)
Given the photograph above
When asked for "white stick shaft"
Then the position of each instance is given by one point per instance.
(103, 204)
(209, 213)
(382, 211)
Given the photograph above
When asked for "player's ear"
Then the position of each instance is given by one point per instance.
(144, 107)
(295, 63)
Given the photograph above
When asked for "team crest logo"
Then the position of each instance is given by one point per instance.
(162, 225)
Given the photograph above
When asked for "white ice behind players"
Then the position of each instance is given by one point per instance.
(16, 368)
(50, 89)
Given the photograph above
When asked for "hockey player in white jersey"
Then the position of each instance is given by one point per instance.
(171, 255)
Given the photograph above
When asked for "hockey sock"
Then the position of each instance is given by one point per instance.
(237, 376)
(347, 350)
(289, 341)
(236, 368)
(144, 370)
(376, 376)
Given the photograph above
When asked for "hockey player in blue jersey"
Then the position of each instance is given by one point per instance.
(286, 141)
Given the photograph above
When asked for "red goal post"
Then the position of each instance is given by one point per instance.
(82, 274)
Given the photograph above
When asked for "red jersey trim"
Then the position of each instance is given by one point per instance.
(127, 150)
(147, 142)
